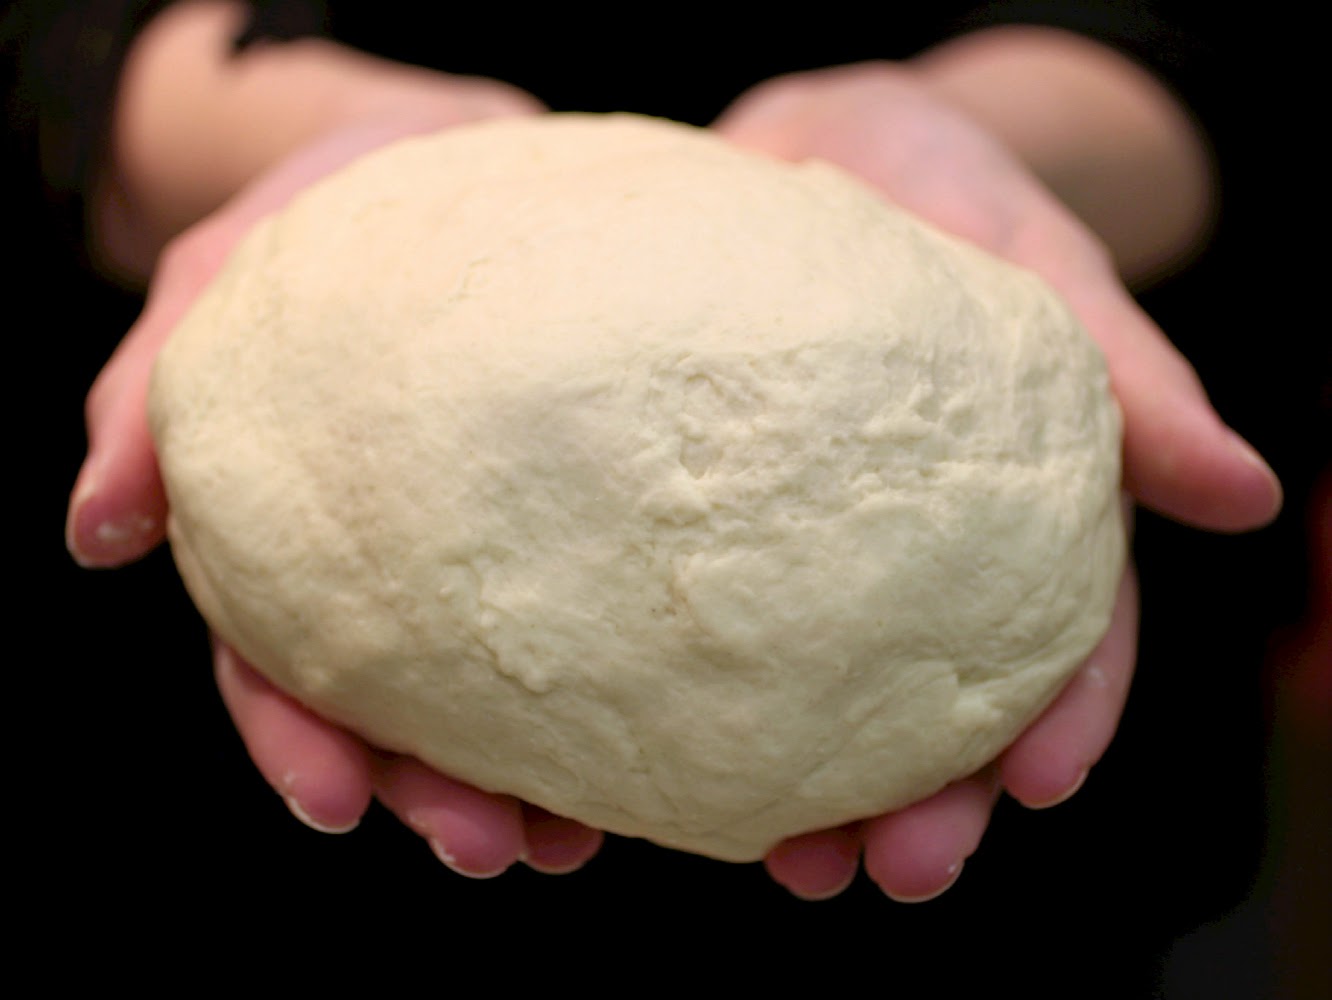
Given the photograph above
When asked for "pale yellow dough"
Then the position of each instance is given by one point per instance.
(692, 495)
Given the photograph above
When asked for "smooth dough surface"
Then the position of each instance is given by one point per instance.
(692, 495)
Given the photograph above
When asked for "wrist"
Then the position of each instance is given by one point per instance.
(1109, 139)
(195, 120)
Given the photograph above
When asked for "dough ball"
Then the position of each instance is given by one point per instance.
(693, 495)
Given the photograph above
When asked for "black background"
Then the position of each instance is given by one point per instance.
(147, 833)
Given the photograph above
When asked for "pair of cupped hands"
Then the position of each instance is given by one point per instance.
(1179, 459)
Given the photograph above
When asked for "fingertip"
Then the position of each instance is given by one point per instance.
(299, 810)
(470, 868)
(918, 877)
(1039, 795)
(1180, 458)
(1191, 467)
(918, 853)
(1259, 494)
(328, 796)
(950, 876)
(96, 543)
(320, 771)
(100, 534)
(815, 866)
(118, 507)
(914, 858)
(818, 895)
(556, 845)
(1051, 760)
(473, 833)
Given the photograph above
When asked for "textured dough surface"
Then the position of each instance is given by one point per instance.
(692, 495)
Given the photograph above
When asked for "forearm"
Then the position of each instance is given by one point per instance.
(1108, 138)
(195, 120)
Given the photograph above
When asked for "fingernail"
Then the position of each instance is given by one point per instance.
(1249, 455)
(1063, 796)
(84, 488)
(564, 868)
(451, 863)
(113, 542)
(222, 654)
(561, 847)
(818, 897)
(1247, 452)
(299, 812)
(954, 873)
(95, 542)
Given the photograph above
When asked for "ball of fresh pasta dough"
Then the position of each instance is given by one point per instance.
(693, 495)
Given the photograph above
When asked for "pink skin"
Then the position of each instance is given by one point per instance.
(1180, 459)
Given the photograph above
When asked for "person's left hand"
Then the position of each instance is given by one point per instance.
(881, 123)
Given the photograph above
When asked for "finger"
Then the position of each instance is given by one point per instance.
(1051, 759)
(474, 833)
(556, 845)
(918, 853)
(118, 507)
(321, 772)
(1180, 459)
(766, 117)
(816, 865)
(117, 510)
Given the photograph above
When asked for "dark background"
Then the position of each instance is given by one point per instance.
(149, 833)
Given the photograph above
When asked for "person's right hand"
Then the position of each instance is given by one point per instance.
(118, 513)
